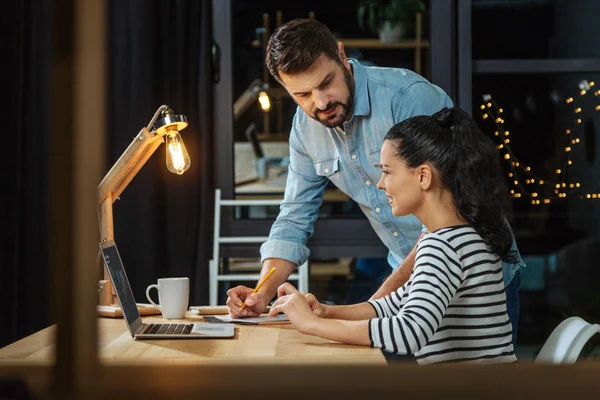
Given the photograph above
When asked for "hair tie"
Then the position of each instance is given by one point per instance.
(444, 117)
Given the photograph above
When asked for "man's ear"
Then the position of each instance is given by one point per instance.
(342, 55)
(425, 176)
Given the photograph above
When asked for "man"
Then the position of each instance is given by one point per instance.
(344, 111)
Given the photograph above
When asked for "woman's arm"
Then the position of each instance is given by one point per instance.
(354, 312)
(350, 332)
(297, 309)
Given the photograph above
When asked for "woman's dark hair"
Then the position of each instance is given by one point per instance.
(468, 165)
(297, 44)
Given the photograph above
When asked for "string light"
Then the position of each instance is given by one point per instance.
(490, 110)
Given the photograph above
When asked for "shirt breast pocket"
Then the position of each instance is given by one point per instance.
(373, 168)
(330, 169)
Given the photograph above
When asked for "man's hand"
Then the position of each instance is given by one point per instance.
(295, 306)
(255, 303)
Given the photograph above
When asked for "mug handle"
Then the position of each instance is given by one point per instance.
(148, 296)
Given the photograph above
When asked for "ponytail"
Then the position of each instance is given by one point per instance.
(468, 165)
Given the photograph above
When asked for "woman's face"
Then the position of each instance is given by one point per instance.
(400, 183)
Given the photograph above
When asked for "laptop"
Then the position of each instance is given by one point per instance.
(137, 328)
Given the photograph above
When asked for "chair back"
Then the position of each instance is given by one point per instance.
(566, 341)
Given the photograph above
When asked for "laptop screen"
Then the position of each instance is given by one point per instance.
(115, 268)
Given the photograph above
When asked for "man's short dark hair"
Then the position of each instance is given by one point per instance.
(296, 45)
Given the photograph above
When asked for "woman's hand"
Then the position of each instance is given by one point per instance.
(297, 307)
(315, 306)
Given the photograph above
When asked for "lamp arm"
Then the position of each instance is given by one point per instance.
(126, 162)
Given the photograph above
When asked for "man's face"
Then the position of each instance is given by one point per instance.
(325, 91)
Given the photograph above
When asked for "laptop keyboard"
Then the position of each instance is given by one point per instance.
(168, 329)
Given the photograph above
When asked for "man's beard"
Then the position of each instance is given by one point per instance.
(347, 107)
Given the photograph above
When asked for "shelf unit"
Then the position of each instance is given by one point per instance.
(417, 43)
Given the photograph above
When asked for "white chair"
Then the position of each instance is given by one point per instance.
(216, 276)
(566, 341)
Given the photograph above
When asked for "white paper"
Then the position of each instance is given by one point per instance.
(256, 320)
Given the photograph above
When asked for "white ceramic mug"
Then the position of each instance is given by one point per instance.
(173, 296)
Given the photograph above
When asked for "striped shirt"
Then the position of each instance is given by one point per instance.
(452, 308)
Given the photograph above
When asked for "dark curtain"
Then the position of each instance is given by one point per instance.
(25, 29)
(160, 53)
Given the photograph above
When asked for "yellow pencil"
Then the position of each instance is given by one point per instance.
(259, 285)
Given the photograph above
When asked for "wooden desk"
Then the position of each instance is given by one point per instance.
(252, 344)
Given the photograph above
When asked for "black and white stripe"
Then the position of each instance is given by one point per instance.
(453, 307)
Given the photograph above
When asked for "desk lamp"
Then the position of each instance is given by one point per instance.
(257, 89)
(164, 126)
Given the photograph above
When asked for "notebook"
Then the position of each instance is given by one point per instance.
(137, 328)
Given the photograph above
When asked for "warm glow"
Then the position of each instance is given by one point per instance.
(263, 99)
(178, 160)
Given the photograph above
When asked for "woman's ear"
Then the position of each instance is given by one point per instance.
(425, 176)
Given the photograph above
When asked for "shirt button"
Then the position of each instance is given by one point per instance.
(377, 209)
(368, 183)
(326, 170)
(395, 233)
(354, 156)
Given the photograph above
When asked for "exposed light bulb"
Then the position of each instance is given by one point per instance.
(178, 159)
(263, 99)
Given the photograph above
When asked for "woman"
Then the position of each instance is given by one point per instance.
(442, 169)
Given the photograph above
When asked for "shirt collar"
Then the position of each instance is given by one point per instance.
(361, 91)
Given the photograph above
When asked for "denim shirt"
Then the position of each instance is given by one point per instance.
(348, 157)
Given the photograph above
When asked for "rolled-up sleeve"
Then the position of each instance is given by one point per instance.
(299, 208)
